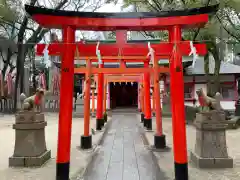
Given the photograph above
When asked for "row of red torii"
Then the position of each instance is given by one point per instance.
(172, 21)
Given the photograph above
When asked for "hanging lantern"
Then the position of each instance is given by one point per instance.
(132, 83)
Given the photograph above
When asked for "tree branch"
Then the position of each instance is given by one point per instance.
(156, 2)
(5, 29)
(2, 57)
(231, 23)
(24, 24)
(40, 32)
(153, 7)
(230, 33)
(198, 30)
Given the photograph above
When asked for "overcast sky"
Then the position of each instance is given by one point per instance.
(111, 8)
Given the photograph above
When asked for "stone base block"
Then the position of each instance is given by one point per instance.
(160, 141)
(142, 117)
(232, 125)
(105, 117)
(148, 124)
(86, 142)
(30, 161)
(211, 162)
(99, 124)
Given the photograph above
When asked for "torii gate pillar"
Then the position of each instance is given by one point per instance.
(147, 100)
(66, 101)
(99, 114)
(178, 112)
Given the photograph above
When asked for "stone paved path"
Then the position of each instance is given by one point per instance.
(123, 155)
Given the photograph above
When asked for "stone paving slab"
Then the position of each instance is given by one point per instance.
(166, 161)
(79, 159)
(123, 155)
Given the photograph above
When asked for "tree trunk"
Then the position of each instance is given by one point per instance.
(7, 62)
(33, 71)
(213, 81)
(20, 69)
(216, 77)
(22, 90)
(207, 75)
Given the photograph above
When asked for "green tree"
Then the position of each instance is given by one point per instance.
(28, 33)
(227, 19)
(6, 13)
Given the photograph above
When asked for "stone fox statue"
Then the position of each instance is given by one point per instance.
(211, 103)
(33, 102)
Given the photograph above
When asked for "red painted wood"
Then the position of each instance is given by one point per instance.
(147, 95)
(66, 98)
(130, 49)
(121, 37)
(112, 24)
(177, 100)
(99, 113)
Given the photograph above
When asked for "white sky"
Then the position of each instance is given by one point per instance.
(110, 8)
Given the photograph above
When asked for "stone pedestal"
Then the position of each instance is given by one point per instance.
(210, 146)
(30, 145)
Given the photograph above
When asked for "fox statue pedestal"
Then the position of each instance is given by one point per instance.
(210, 146)
(30, 145)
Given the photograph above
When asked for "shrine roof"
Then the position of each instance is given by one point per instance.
(225, 68)
(51, 18)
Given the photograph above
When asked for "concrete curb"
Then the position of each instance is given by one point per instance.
(146, 143)
(93, 152)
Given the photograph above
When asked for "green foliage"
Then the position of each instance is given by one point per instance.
(6, 13)
(112, 35)
(234, 4)
(222, 26)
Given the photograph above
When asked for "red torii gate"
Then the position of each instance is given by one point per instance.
(123, 52)
(172, 21)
